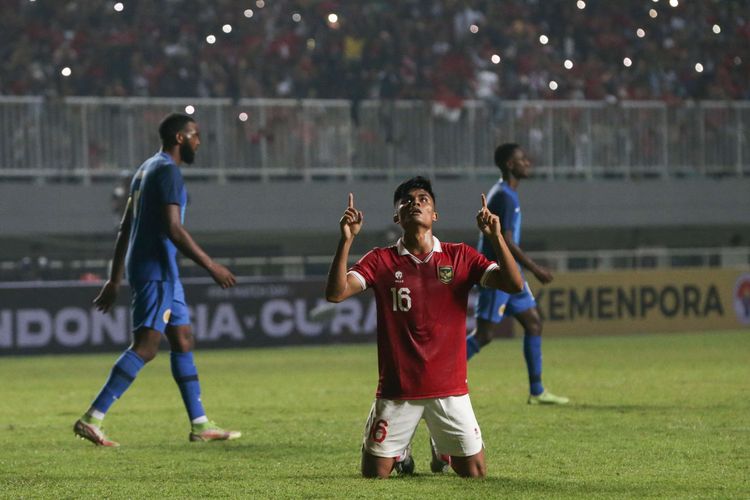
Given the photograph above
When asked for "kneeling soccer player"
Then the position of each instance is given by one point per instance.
(421, 288)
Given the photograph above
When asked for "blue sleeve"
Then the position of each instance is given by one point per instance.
(504, 206)
(170, 185)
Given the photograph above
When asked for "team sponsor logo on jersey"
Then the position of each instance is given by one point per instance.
(742, 299)
(167, 315)
(445, 273)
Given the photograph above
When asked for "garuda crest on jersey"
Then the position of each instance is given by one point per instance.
(445, 274)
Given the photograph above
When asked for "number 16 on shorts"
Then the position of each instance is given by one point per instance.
(389, 428)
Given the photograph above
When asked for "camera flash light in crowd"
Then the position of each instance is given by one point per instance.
(119, 7)
(699, 67)
(65, 71)
(717, 29)
(260, 4)
(210, 39)
(581, 4)
(553, 85)
(568, 64)
(674, 3)
(296, 17)
(333, 18)
(495, 59)
(627, 62)
(474, 28)
(227, 28)
(543, 39)
(243, 117)
(640, 32)
(248, 13)
(653, 13)
(189, 109)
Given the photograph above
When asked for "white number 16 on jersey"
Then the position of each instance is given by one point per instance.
(401, 299)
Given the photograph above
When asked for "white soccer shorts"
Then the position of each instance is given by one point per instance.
(451, 421)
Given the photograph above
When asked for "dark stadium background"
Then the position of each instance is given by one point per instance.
(635, 114)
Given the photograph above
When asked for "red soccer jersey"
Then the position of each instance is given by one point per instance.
(421, 306)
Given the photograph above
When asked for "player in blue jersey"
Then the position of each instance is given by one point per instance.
(493, 305)
(150, 234)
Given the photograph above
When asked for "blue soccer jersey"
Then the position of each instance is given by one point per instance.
(492, 305)
(151, 254)
(502, 201)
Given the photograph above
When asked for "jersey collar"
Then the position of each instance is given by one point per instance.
(167, 157)
(436, 247)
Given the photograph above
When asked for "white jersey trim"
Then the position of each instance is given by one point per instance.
(360, 278)
(487, 271)
(436, 247)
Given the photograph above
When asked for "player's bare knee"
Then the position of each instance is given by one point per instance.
(483, 337)
(532, 325)
(536, 327)
(373, 468)
(470, 472)
(485, 331)
(146, 354)
(183, 344)
(375, 474)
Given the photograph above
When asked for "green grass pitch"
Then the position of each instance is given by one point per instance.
(651, 416)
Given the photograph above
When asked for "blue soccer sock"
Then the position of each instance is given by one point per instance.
(532, 352)
(472, 347)
(186, 375)
(123, 373)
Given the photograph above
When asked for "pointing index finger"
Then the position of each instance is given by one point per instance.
(351, 200)
(484, 201)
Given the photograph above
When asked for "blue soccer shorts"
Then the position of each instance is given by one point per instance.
(156, 304)
(493, 304)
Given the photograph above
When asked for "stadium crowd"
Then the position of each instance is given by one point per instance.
(446, 50)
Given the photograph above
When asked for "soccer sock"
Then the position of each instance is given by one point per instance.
(186, 375)
(122, 375)
(472, 347)
(532, 352)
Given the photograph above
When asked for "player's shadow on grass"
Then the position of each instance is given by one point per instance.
(498, 484)
(558, 488)
(625, 408)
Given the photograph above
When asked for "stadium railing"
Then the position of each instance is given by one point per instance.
(85, 138)
(41, 268)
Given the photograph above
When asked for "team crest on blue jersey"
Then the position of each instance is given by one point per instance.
(445, 274)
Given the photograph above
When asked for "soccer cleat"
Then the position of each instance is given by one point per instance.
(439, 463)
(405, 465)
(92, 433)
(547, 398)
(212, 432)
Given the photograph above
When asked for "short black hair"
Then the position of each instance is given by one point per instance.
(170, 126)
(503, 153)
(417, 182)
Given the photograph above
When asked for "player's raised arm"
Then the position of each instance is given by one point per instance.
(108, 293)
(341, 286)
(506, 277)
